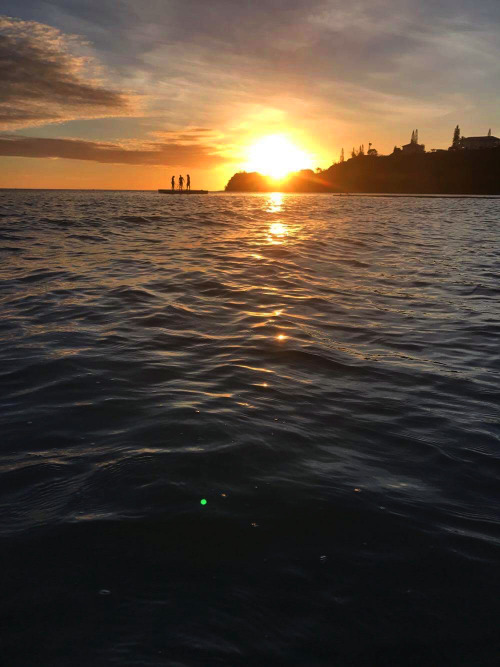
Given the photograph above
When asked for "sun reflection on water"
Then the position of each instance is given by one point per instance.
(275, 202)
(277, 233)
(278, 229)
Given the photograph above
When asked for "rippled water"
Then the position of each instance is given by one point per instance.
(323, 370)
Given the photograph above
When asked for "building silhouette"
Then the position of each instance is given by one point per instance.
(413, 147)
(478, 143)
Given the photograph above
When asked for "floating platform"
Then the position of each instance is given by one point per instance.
(183, 192)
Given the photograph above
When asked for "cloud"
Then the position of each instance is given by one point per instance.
(323, 66)
(173, 154)
(44, 81)
(207, 61)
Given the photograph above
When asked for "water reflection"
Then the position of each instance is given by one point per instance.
(275, 202)
(278, 229)
(277, 233)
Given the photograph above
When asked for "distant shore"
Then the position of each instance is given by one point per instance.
(401, 195)
(464, 172)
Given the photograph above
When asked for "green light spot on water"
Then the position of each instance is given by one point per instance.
(203, 501)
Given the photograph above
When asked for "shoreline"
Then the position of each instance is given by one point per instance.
(389, 195)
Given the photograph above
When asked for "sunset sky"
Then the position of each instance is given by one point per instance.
(123, 94)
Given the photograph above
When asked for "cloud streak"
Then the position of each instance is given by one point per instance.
(173, 154)
(43, 81)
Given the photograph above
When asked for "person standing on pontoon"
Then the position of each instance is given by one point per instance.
(181, 182)
(173, 182)
(188, 182)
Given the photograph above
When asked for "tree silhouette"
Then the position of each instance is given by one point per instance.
(353, 152)
(456, 138)
(342, 155)
(489, 132)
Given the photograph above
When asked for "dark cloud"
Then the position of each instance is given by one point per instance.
(9, 117)
(42, 81)
(157, 153)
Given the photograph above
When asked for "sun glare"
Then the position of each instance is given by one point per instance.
(276, 156)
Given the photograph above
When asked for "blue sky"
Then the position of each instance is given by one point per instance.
(118, 91)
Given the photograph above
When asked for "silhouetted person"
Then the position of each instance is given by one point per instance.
(173, 182)
(188, 182)
(181, 182)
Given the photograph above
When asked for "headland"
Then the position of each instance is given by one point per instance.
(467, 168)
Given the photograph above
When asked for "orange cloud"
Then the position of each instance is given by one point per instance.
(198, 155)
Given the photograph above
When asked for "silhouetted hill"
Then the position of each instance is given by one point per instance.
(442, 172)
(248, 182)
(301, 181)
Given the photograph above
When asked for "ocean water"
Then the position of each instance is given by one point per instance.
(323, 371)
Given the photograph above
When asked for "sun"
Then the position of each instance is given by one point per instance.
(276, 156)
